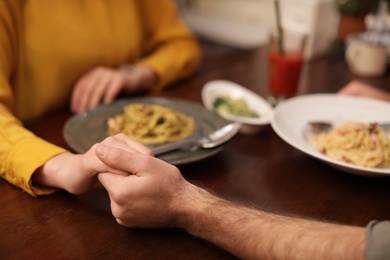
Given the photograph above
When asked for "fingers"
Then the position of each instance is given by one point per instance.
(118, 188)
(108, 84)
(126, 143)
(92, 164)
(114, 86)
(81, 92)
(98, 84)
(123, 143)
(352, 88)
(120, 159)
(123, 213)
(95, 89)
(358, 88)
(109, 180)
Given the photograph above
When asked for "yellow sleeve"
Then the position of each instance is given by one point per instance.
(21, 152)
(172, 50)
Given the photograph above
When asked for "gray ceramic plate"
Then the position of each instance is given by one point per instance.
(83, 130)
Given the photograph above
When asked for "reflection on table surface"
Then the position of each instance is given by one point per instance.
(260, 170)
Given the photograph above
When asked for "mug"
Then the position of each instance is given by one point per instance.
(366, 59)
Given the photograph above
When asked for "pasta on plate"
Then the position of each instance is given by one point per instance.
(357, 143)
(151, 123)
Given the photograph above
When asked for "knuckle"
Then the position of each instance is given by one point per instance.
(119, 196)
(118, 155)
(117, 211)
(121, 135)
(149, 152)
(146, 162)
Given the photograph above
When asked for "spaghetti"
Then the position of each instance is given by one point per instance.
(151, 124)
(357, 143)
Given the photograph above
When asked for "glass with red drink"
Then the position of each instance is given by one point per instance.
(285, 66)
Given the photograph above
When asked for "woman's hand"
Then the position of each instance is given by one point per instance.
(76, 173)
(103, 84)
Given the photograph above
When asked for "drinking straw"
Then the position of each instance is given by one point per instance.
(279, 27)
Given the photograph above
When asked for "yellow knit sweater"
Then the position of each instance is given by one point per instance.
(46, 45)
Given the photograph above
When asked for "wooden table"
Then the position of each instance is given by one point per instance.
(260, 170)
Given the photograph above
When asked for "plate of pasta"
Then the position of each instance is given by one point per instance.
(355, 145)
(150, 120)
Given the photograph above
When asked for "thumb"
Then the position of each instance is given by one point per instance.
(121, 160)
(113, 157)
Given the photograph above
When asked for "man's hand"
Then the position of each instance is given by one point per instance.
(150, 196)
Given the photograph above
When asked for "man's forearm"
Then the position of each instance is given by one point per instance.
(252, 234)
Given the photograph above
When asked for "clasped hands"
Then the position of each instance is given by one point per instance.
(144, 191)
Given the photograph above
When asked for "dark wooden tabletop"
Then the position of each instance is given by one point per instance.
(260, 170)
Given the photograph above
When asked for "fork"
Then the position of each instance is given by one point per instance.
(317, 127)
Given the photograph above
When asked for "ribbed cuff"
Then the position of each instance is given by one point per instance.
(378, 240)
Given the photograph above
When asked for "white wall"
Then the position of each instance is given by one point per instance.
(248, 23)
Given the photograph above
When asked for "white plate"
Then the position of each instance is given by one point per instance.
(216, 88)
(292, 115)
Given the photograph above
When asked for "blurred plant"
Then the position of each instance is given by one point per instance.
(357, 7)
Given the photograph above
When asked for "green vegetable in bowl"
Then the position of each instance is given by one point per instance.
(238, 107)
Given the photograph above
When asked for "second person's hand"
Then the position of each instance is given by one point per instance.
(357, 88)
(101, 84)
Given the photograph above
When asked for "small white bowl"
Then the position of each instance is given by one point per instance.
(262, 107)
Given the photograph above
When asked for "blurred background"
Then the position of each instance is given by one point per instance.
(249, 23)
